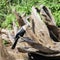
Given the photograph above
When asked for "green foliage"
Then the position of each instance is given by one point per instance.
(5, 42)
(4, 10)
(57, 17)
(8, 22)
(24, 6)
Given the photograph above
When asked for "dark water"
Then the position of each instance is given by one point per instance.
(33, 56)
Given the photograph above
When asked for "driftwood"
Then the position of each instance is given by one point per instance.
(41, 34)
(33, 36)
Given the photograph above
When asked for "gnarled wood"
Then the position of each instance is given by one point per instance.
(36, 39)
(50, 22)
(40, 28)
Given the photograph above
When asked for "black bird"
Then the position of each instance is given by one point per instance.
(19, 34)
